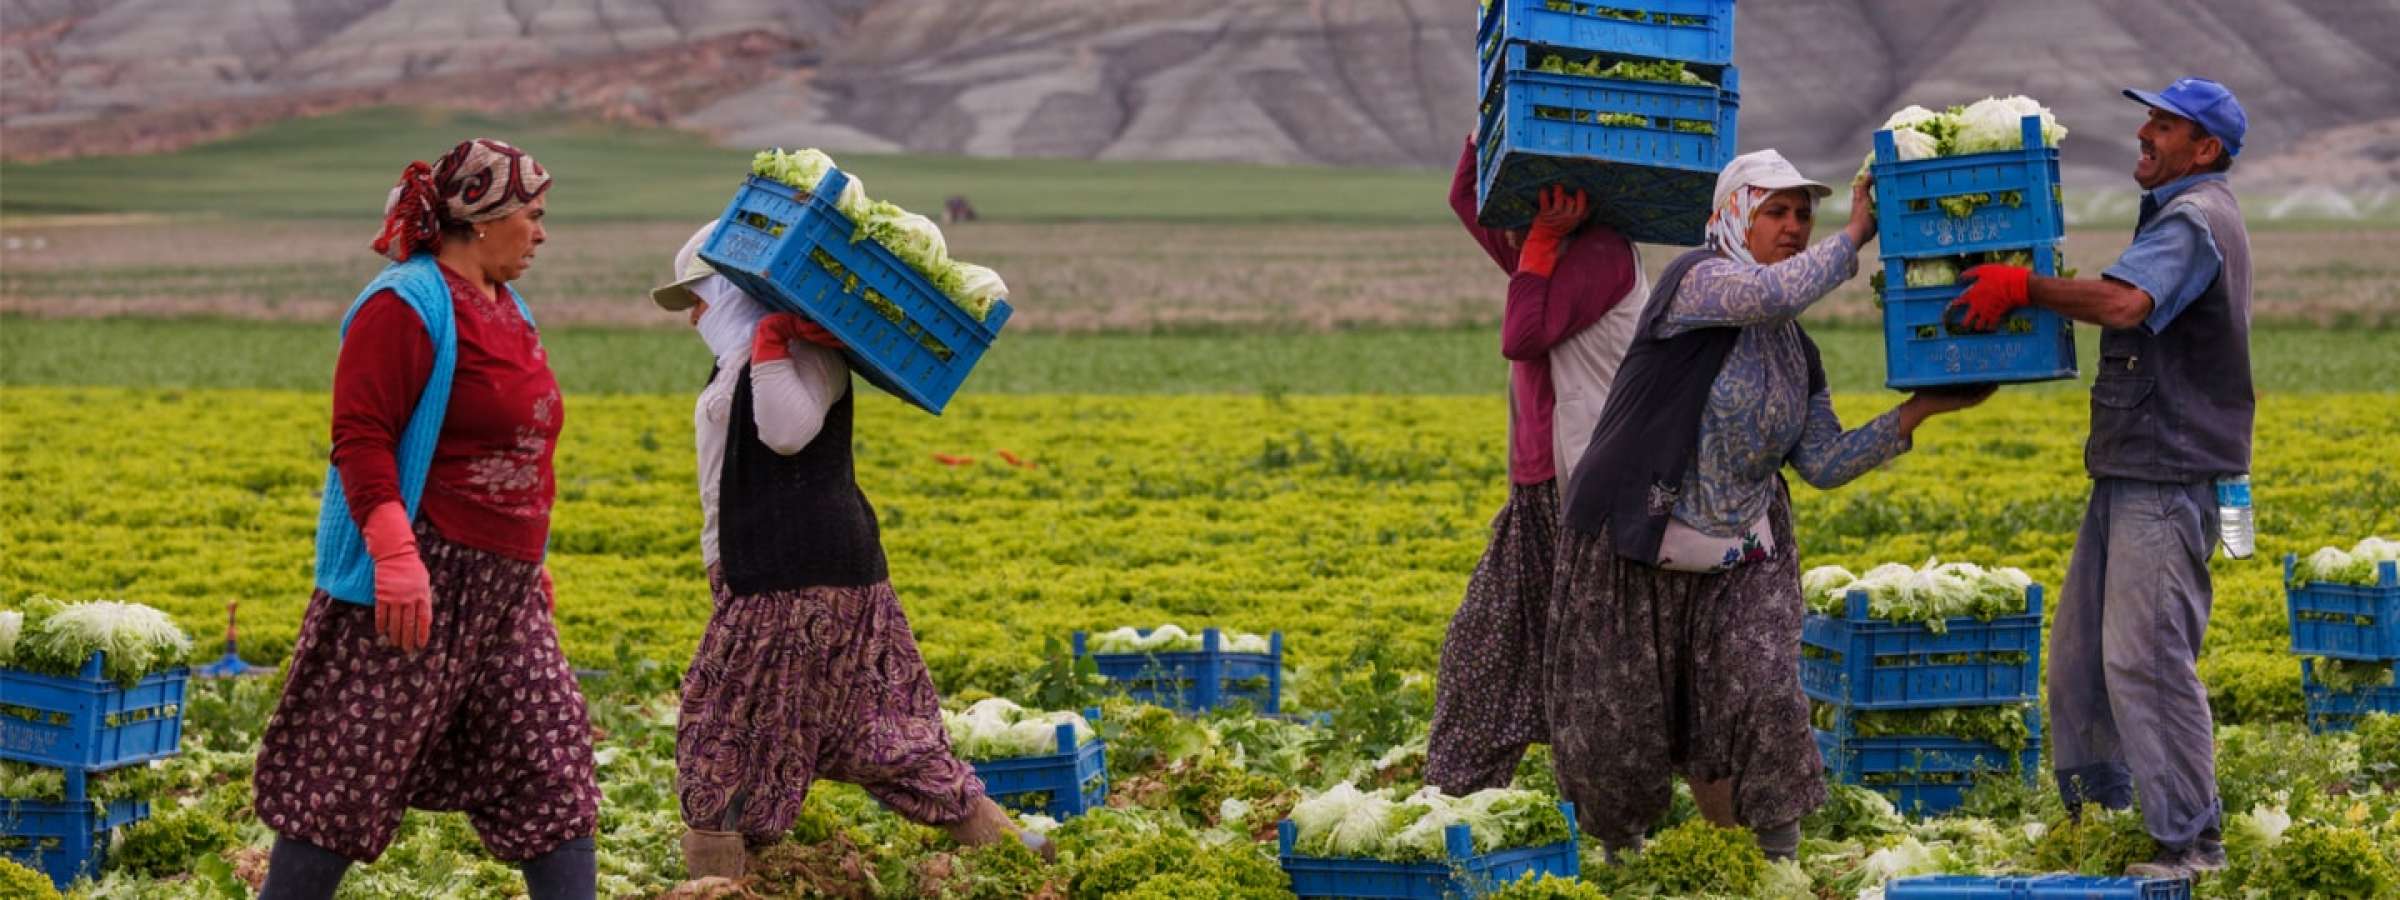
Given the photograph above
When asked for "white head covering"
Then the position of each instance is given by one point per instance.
(689, 270)
(1746, 183)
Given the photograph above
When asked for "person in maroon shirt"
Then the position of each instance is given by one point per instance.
(1564, 329)
(445, 689)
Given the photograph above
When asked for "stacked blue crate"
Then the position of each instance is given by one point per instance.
(1925, 343)
(83, 725)
(1647, 153)
(2353, 623)
(1857, 664)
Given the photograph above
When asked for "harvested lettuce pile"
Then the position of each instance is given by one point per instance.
(1343, 821)
(1989, 125)
(911, 237)
(1171, 639)
(53, 638)
(2360, 565)
(996, 728)
(1929, 595)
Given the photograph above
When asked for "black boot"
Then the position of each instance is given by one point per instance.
(299, 870)
(568, 872)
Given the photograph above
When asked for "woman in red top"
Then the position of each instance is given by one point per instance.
(445, 689)
(1575, 293)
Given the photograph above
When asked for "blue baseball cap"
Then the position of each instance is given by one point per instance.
(2205, 102)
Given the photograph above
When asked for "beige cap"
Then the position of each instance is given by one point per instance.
(1762, 169)
(689, 270)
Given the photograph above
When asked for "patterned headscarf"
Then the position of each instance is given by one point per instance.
(477, 181)
(1729, 224)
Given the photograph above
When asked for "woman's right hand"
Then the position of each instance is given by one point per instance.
(1561, 212)
(777, 331)
(1862, 211)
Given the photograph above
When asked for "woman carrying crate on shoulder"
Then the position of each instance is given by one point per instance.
(1675, 620)
(428, 672)
(1575, 291)
(807, 667)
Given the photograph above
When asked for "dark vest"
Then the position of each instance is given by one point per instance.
(791, 522)
(2176, 406)
(1649, 433)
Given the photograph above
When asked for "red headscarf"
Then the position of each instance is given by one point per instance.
(477, 181)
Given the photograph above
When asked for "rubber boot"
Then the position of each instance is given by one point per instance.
(714, 854)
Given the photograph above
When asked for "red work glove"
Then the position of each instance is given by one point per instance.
(777, 331)
(1560, 214)
(549, 590)
(1993, 292)
(403, 592)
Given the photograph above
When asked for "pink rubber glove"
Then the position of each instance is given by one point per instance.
(403, 591)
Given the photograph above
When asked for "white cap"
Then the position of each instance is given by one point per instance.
(1762, 169)
(689, 270)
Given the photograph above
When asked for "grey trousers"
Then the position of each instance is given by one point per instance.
(2127, 710)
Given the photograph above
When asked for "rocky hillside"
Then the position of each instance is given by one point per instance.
(1345, 82)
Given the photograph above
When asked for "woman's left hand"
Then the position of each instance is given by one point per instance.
(549, 590)
(1862, 211)
(1936, 401)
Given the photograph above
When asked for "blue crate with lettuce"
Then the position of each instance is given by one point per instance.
(1345, 842)
(1693, 31)
(801, 235)
(1926, 760)
(1903, 637)
(1643, 139)
(1180, 670)
(1051, 763)
(2345, 604)
(2341, 692)
(1971, 185)
(90, 686)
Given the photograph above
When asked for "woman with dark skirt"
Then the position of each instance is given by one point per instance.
(1675, 619)
(807, 668)
(427, 673)
(1575, 292)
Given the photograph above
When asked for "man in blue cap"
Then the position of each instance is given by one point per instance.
(2171, 411)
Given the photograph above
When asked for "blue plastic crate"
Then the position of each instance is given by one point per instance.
(1924, 775)
(791, 249)
(1926, 345)
(2345, 621)
(1910, 224)
(1197, 680)
(1075, 778)
(2036, 887)
(1870, 664)
(1584, 26)
(64, 840)
(1651, 183)
(2331, 711)
(87, 722)
(1465, 874)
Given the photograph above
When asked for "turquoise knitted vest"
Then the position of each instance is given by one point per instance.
(343, 567)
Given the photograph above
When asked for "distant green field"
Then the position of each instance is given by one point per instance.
(339, 166)
(202, 353)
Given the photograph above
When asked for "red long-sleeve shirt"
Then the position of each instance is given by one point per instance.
(1595, 269)
(490, 484)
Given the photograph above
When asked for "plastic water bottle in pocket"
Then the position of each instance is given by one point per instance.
(2234, 525)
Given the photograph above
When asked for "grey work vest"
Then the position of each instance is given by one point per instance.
(2176, 406)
